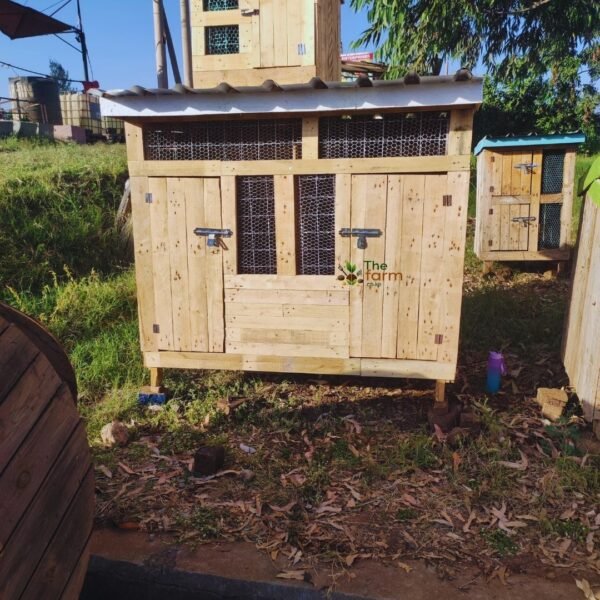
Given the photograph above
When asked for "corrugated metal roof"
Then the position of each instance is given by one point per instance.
(513, 141)
(271, 86)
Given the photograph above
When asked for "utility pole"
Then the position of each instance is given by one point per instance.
(159, 42)
(186, 36)
(84, 50)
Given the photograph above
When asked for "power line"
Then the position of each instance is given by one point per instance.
(5, 64)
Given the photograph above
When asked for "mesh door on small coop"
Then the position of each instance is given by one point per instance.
(317, 238)
(525, 197)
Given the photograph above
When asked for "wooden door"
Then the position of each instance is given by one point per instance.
(287, 33)
(271, 308)
(408, 305)
(511, 220)
(179, 278)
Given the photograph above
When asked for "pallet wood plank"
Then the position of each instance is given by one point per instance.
(267, 34)
(566, 215)
(306, 310)
(452, 268)
(288, 322)
(62, 555)
(178, 251)
(247, 296)
(161, 264)
(432, 254)
(74, 586)
(287, 336)
(144, 268)
(214, 268)
(280, 34)
(283, 282)
(373, 292)
(534, 208)
(310, 134)
(28, 542)
(285, 224)
(393, 260)
(360, 189)
(282, 349)
(412, 228)
(229, 208)
(196, 265)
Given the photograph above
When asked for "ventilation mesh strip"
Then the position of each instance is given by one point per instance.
(210, 5)
(262, 139)
(256, 226)
(552, 172)
(223, 39)
(369, 136)
(315, 198)
(549, 232)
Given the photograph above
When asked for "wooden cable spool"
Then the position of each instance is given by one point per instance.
(46, 476)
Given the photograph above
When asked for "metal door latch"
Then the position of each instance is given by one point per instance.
(524, 220)
(361, 234)
(527, 167)
(250, 12)
(213, 235)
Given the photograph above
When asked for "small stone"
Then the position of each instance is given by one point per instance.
(445, 420)
(208, 460)
(552, 401)
(114, 434)
(247, 475)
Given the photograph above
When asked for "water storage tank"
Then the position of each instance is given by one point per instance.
(36, 99)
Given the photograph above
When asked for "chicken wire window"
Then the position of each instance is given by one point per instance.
(387, 135)
(210, 5)
(260, 139)
(553, 163)
(223, 39)
(549, 232)
(256, 226)
(315, 212)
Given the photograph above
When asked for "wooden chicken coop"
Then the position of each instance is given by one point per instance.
(525, 197)
(315, 228)
(245, 42)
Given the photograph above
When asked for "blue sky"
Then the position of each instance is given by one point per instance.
(120, 39)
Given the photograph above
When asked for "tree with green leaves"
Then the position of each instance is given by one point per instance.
(542, 56)
(58, 72)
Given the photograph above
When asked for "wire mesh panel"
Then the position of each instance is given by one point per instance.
(315, 197)
(210, 5)
(223, 39)
(549, 231)
(553, 164)
(378, 136)
(256, 225)
(262, 139)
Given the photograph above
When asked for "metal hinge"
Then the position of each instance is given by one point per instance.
(447, 200)
(439, 339)
(490, 243)
(491, 211)
(156, 328)
(492, 188)
(492, 159)
(149, 199)
(250, 12)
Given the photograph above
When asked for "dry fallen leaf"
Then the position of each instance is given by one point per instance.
(404, 566)
(586, 588)
(105, 471)
(520, 466)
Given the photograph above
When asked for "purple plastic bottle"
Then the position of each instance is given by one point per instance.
(496, 367)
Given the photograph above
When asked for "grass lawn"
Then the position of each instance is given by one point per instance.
(342, 468)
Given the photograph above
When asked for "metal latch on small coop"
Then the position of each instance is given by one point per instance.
(361, 234)
(213, 235)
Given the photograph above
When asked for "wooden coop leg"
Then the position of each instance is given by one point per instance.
(487, 267)
(440, 395)
(156, 377)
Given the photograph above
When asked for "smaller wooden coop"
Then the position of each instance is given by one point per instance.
(309, 228)
(525, 197)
